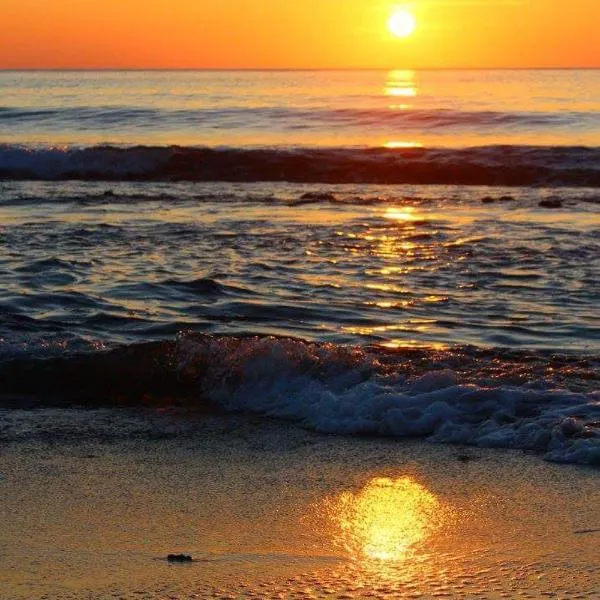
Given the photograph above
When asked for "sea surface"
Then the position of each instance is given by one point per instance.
(358, 252)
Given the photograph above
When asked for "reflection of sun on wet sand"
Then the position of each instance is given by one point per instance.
(387, 529)
(385, 519)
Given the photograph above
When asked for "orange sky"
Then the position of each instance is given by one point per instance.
(296, 34)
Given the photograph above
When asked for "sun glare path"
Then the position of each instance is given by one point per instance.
(402, 23)
(406, 213)
(401, 84)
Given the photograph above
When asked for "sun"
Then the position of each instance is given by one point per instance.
(402, 23)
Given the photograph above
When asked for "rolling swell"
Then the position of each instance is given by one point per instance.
(486, 165)
(313, 117)
(492, 398)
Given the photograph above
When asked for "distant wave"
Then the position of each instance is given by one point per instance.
(461, 395)
(486, 165)
(101, 117)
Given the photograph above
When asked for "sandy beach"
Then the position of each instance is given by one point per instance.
(92, 502)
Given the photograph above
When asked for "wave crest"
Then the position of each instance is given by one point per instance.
(486, 165)
(490, 398)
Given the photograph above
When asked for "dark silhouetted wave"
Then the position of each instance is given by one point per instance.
(486, 165)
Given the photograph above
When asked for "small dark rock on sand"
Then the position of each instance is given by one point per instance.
(179, 558)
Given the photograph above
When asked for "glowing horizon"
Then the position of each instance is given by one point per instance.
(241, 34)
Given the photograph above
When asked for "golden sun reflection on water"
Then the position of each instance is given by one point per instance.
(384, 521)
(395, 144)
(401, 86)
(406, 213)
(402, 344)
(401, 83)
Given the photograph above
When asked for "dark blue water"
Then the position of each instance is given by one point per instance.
(414, 257)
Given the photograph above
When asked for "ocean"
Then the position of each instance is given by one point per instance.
(399, 254)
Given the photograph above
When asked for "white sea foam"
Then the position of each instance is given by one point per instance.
(328, 390)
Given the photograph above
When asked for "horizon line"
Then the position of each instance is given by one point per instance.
(291, 69)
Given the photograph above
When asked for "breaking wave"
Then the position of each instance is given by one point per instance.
(540, 402)
(485, 165)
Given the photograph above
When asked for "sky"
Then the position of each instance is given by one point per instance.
(276, 34)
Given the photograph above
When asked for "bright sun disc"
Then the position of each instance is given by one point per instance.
(402, 24)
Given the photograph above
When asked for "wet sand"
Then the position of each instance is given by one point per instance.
(92, 502)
